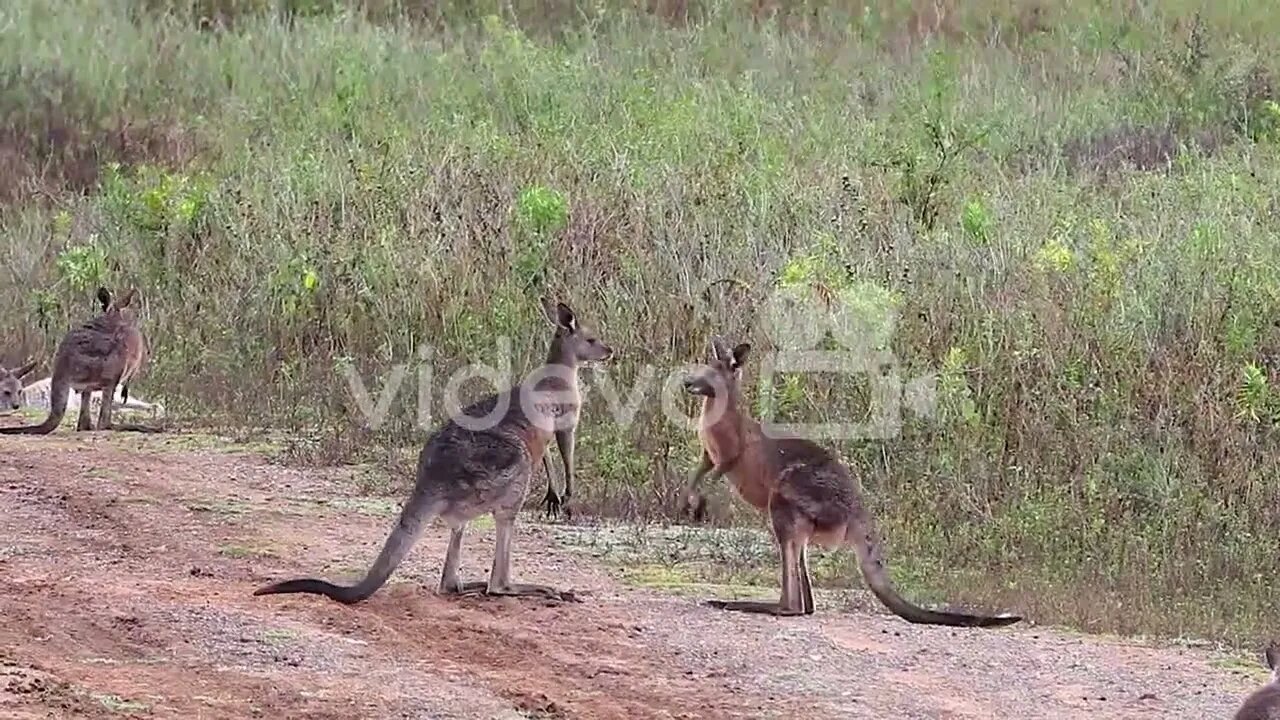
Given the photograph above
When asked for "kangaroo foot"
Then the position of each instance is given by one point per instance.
(134, 427)
(694, 506)
(752, 606)
(523, 590)
(462, 589)
(552, 502)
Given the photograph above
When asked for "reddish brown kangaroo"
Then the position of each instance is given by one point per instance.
(100, 354)
(1264, 703)
(809, 495)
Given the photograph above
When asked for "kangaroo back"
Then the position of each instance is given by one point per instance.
(122, 318)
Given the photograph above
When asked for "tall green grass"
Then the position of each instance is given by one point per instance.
(1075, 215)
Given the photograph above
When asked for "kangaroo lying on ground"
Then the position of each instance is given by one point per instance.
(808, 493)
(482, 462)
(99, 355)
(38, 395)
(1264, 703)
(11, 397)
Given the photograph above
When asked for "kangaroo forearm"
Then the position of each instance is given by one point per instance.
(706, 471)
(546, 465)
(564, 441)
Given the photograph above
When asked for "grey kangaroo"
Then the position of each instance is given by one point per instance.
(1264, 703)
(104, 298)
(11, 386)
(100, 354)
(481, 462)
(808, 493)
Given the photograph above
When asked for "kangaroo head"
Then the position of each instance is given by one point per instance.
(123, 306)
(11, 386)
(722, 372)
(574, 341)
(1272, 654)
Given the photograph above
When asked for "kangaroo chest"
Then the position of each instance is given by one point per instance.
(747, 473)
(750, 481)
(549, 411)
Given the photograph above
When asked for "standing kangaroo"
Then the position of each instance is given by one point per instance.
(1264, 703)
(472, 466)
(809, 495)
(11, 386)
(99, 355)
(104, 297)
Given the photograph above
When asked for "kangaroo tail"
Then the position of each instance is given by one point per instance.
(871, 563)
(58, 389)
(418, 511)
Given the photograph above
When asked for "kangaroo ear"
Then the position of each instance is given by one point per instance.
(548, 310)
(1272, 655)
(23, 370)
(718, 351)
(129, 297)
(565, 318)
(104, 297)
(740, 355)
(560, 315)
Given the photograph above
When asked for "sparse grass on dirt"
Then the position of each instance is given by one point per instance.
(144, 609)
(1070, 208)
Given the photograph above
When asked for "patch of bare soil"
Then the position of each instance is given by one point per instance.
(130, 563)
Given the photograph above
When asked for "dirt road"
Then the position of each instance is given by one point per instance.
(129, 563)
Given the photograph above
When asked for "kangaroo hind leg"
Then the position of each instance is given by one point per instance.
(790, 531)
(83, 421)
(806, 589)
(104, 410)
(449, 582)
(500, 576)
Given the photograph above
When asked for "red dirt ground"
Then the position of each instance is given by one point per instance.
(130, 562)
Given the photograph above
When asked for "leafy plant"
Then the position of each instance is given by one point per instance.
(976, 221)
(84, 266)
(1254, 399)
(542, 209)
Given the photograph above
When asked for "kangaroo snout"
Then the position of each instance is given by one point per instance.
(695, 385)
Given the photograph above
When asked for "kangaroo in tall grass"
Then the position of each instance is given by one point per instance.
(482, 461)
(1264, 703)
(11, 396)
(809, 495)
(98, 356)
